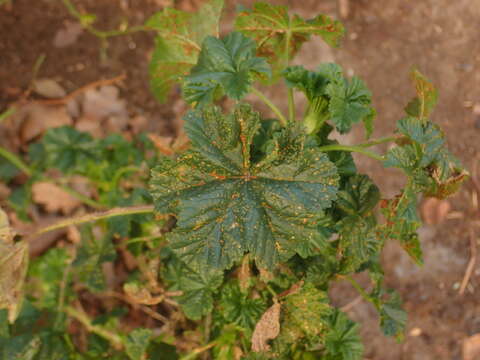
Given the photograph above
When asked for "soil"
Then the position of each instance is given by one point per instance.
(384, 40)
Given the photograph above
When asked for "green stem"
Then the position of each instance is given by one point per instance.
(352, 148)
(7, 113)
(193, 354)
(291, 100)
(357, 287)
(81, 317)
(101, 34)
(15, 160)
(143, 209)
(271, 105)
(84, 199)
(378, 141)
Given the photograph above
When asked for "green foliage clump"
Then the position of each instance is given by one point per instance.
(254, 221)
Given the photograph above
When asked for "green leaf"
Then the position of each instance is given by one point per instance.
(359, 196)
(23, 347)
(342, 341)
(279, 36)
(393, 318)
(359, 241)
(225, 66)
(350, 101)
(91, 255)
(13, 269)
(178, 44)
(421, 107)
(67, 148)
(226, 205)
(136, 343)
(48, 271)
(238, 308)
(197, 287)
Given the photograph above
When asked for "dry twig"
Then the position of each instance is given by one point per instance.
(471, 263)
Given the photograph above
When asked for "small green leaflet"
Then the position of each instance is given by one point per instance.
(225, 66)
(236, 307)
(279, 36)
(136, 343)
(422, 106)
(67, 148)
(359, 196)
(342, 341)
(197, 287)
(179, 40)
(226, 205)
(393, 318)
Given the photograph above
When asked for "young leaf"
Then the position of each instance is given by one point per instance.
(197, 287)
(393, 318)
(225, 66)
(279, 36)
(342, 341)
(66, 148)
(240, 309)
(136, 343)
(179, 40)
(91, 255)
(13, 269)
(226, 205)
(421, 107)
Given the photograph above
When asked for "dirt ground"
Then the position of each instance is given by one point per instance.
(384, 40)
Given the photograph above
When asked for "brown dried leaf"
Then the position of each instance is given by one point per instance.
(67, 35)
(13, 269)
(162, 143)
(434, 211)
(141, 295)
(38, 118)
(104, 102)
(49, 88)
(267, 328)
(471, 347)
(54, 198)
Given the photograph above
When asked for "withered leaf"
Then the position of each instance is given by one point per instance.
(267, 328)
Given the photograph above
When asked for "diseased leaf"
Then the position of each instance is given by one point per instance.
(136, 343)
(225, 66)
(359, 196)
(226, 205)
(421, 107)
(178, 44)
(279, 36)
(267, 328)
(305, 315)
(197, 287)
(342, 341)
(13, 269)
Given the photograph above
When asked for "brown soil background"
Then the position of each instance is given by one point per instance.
(384, 40)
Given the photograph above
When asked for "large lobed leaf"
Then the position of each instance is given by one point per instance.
(226, 205)
(178, 44)
(279, 36)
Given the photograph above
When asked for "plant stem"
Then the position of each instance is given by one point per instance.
(15, 160)
(193, 354)
(7, 113)
(378, 141)
(271, 105)
(143, 209)
(101, 34)
(84, 199)
(357, 287)
(291, 100)
(81, 317)
(352, 148)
